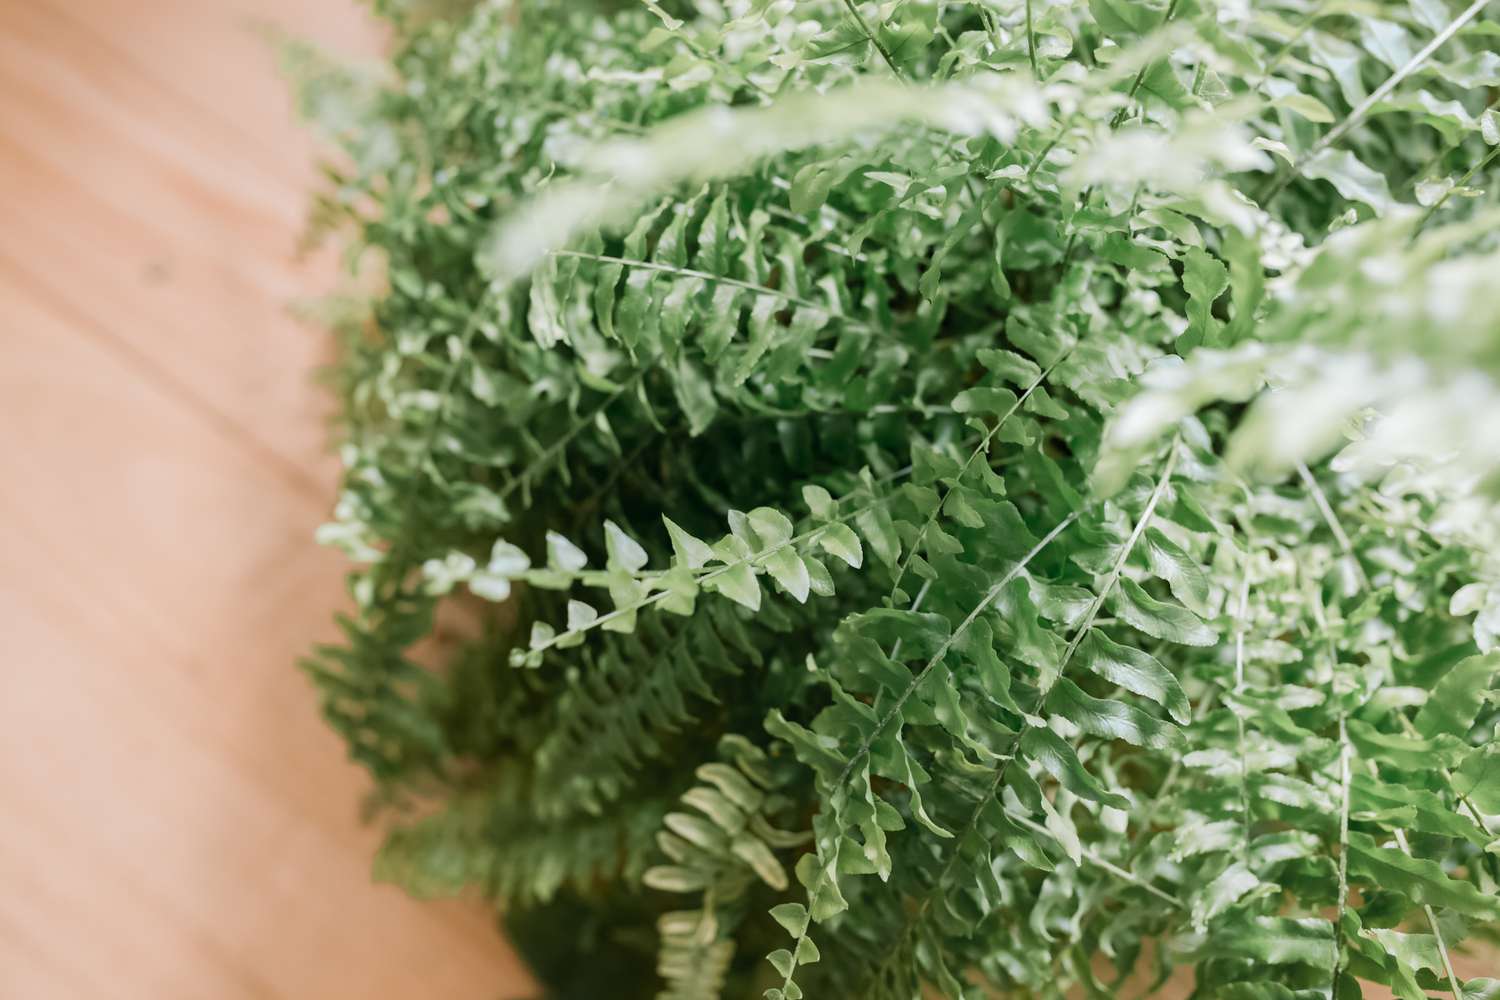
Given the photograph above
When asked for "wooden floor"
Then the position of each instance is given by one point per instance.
(175, 820)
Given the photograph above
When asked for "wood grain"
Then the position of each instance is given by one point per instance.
(177, 820)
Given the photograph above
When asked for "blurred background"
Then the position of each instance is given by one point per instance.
(176, 821)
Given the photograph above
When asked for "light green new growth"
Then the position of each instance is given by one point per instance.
(960, 499)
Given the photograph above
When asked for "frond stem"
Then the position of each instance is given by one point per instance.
(1353, 118)
(1140, 76)
(1036, 74)
(1119, 565)
(1338, 931)
(1241, 622)
(942, 650)
(1101, 863)
(979, 449)
(1448, 193)
(869, 33)
(1432, 921)
(1332, 520)
(552, 450)
(749, 286)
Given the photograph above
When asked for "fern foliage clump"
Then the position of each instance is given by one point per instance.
(988, 498)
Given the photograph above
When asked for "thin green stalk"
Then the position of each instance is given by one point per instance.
(1320, 617)
(1241, 623)
(1343, 868)
(1285, 47)
(1432, 920)
(1447, 776)
(1088, 854)
(979, 608)
(1333, 135)
(1138, 842)
(914, 918)
(981, 448)
(1102, 864)
(749, 286)
(1418, 175)
(916, 605)
(1031, 44)
(1115, 122)
(1119, 566)
(1338, 935)
(556, 447)
(1140, 76)
(1331, 519)
(1046, 150)
(874, 39)
(1448, 193)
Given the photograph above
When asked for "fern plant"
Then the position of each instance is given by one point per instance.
(988, 498)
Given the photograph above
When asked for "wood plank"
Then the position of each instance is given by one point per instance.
(186, 820)
(179, 214)
(179, 54)
(180, 823)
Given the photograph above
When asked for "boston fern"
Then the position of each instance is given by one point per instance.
(965, 499)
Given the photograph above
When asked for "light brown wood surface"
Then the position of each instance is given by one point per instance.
(175, 819)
